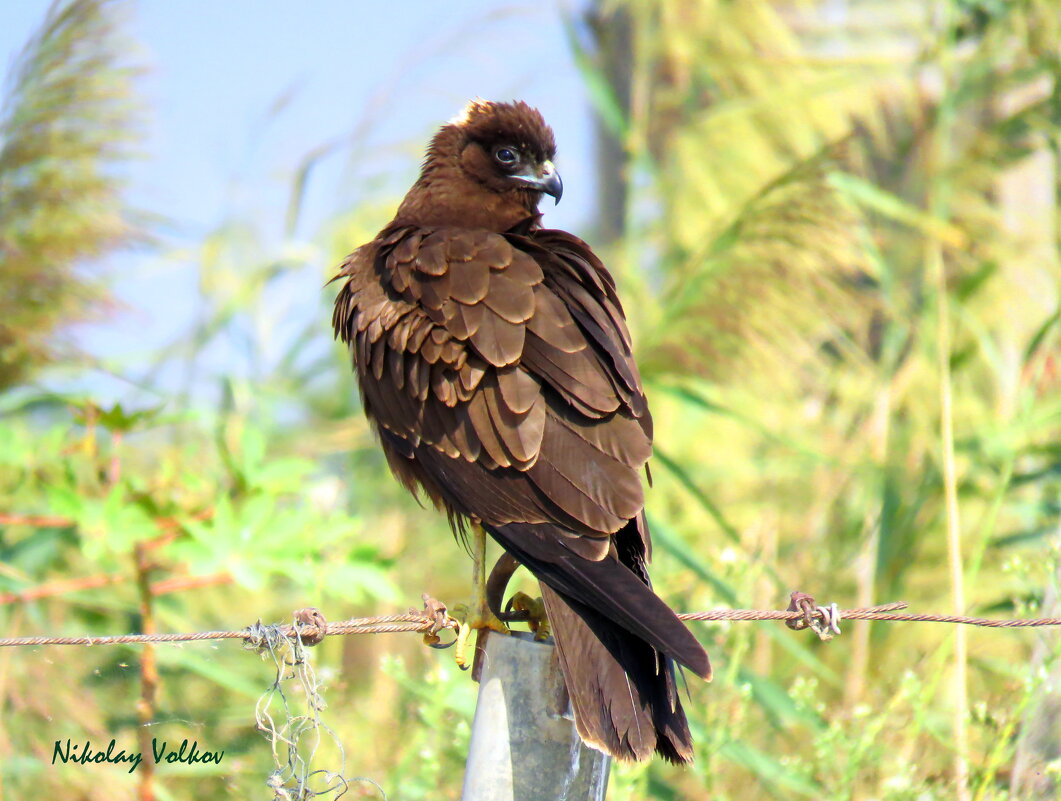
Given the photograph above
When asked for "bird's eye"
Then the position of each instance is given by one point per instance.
(506, 155)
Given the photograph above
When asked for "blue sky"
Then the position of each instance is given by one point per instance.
(238, 92)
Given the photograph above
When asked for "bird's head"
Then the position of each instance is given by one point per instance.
(508, 148)
(488, 167)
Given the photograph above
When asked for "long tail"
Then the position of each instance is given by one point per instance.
(617, 643)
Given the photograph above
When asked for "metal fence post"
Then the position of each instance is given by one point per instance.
(524, 746)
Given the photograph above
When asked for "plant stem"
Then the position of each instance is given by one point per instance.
(954, 546)
(938, 203)
(145, 707)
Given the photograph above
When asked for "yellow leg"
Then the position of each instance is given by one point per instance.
(477, 614)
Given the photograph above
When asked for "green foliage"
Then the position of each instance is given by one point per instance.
(786, 317)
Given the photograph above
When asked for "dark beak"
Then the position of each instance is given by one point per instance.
(550, 181)
(545, 179)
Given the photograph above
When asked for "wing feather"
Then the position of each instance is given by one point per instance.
(497, 340)
(497, 359)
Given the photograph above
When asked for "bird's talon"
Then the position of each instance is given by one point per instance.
(531, 610)
(512, 615)
(482, 619)
(434, 641)
(461, 654)
(473, 617)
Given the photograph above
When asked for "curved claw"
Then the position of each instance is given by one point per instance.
(434, 641)
(516, 612)
(511, 615)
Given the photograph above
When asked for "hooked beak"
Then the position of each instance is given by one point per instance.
(545, 179)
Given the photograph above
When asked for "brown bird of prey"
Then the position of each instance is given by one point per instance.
(494, 360)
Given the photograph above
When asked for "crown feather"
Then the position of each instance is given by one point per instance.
(514, 123)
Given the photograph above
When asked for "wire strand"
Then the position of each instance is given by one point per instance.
(434, 618)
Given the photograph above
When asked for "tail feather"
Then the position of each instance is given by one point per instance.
(617, 643)
(623, 691)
